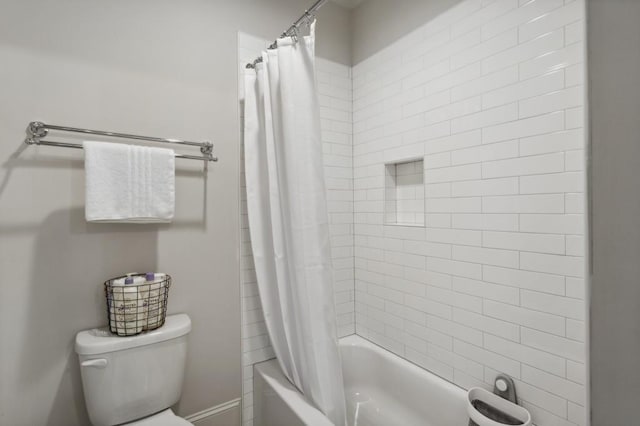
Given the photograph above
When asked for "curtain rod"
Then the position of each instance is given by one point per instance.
(307, 17)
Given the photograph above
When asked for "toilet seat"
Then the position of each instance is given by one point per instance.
(163, 418)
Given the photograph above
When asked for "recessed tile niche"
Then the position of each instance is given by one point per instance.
(404, 193)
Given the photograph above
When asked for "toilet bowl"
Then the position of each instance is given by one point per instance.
(134, 380)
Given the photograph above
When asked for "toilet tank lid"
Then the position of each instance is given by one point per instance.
(100, 340)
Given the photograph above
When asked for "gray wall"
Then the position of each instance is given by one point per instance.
(154, 67)
(333, 31)
(614, 67)
(378, 23)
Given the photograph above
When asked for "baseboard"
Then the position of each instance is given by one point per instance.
(214, 411)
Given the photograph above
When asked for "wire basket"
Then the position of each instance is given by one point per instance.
(134, 308)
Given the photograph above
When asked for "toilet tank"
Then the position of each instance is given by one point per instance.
(126, 378)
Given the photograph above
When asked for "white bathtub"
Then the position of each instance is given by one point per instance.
(381, 389)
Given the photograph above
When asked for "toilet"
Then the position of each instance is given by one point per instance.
(134, 380)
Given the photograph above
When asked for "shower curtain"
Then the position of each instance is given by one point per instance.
(288, 221)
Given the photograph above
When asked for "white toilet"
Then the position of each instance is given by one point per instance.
(134, 380)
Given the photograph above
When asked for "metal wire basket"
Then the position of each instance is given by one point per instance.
(136, 307)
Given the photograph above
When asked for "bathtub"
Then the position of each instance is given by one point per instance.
(381, 389)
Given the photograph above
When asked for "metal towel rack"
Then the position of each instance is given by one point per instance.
(38, 130)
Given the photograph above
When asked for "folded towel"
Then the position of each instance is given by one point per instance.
(129, 183)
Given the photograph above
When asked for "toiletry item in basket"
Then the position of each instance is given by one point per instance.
(125, 310)
(155, 298)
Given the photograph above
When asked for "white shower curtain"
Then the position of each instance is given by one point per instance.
(288, 221)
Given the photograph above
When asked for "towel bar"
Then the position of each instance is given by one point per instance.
(38, 130)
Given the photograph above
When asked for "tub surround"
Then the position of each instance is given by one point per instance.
(489, 97)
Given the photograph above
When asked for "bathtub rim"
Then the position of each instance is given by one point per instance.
(272, 375)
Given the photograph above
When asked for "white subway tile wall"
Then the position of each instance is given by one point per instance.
(489, 98)
(490, 95)
(334, 85)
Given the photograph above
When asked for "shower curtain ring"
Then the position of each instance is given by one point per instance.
(308, 18)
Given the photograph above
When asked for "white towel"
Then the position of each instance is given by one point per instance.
(129, 183)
